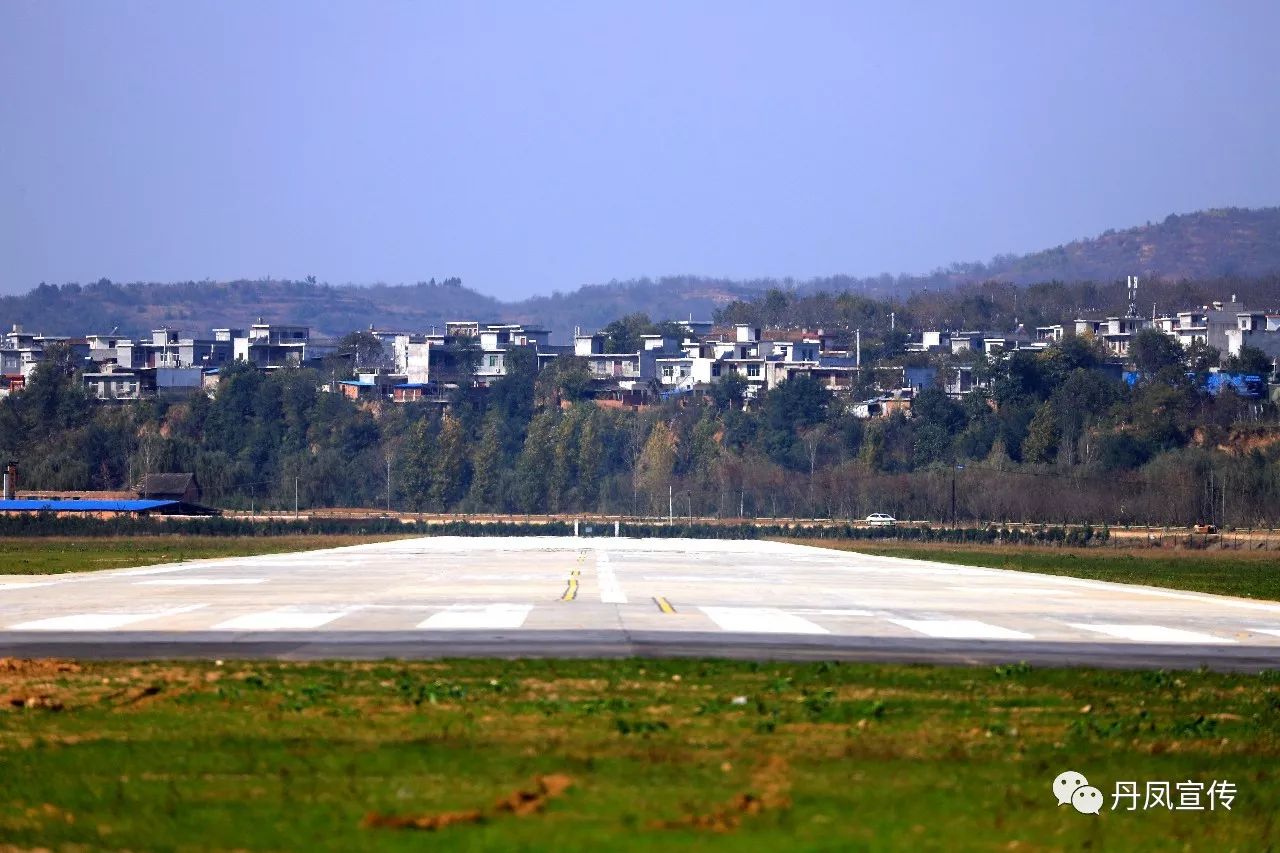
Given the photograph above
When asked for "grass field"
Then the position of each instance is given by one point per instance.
(624, 754)
(54, 554)
(1248, 574)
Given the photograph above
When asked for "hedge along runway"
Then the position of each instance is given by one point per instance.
(606, 597)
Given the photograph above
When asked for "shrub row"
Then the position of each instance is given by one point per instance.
(47, 524)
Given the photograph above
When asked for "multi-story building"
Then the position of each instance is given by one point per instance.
(1208, 324)
(1255, 329)
(1115, 332)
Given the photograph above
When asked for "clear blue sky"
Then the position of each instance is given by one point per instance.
(531, 146)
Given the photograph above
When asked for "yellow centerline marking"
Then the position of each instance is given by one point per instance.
(663, 604)
(571, 588)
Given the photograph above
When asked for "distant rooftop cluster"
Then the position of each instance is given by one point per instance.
(688, 358)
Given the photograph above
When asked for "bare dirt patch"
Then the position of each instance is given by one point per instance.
(522, 802)
(770, 791)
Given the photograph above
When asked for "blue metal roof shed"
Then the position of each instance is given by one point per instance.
(122, 507)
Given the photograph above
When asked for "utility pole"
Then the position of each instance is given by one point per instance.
(857, 336)
(388, 484)
(295, 498)
(954, 469)
(671, 504)
(953, 497)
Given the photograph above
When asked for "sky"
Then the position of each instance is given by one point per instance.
(528, 147)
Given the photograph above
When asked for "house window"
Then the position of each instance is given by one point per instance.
(715, 370)
(493, 361)
(753, 370)
(666, 372)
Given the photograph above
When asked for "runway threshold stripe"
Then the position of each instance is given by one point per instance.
(280, 620)
(479, 616)
(960, 629)
(98, 621)
(760, 620)
(201, 582)
(663, 604)
(1149, 633)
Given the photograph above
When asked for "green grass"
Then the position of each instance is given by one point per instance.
(1248, 574)
(293, 756)
(21, 555)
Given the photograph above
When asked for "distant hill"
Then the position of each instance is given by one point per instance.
(1219, 243)
(1212, 244)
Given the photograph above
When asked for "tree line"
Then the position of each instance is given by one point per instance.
(1055, 439)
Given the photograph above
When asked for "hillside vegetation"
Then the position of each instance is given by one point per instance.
(1210, 245)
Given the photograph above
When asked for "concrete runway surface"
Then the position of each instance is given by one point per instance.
(605, 597)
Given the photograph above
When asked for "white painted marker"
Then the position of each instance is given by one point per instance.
(760, 620)
(610, 590)
(280, 620)
(960, 629)
(1150, 633)
(98, 621)
(201, 582)
(478, 616)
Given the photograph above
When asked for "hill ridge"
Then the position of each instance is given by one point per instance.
(1208, 244)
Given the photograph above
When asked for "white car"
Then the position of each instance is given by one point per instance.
(880, 518)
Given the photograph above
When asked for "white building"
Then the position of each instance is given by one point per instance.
(1255, 329)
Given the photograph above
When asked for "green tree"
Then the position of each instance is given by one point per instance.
(565, 380)
(705, 448)
(1043, 436)
(1155, 354)
(590, 457)
(564, 453)
(729, 392)
(792, 407)
(1200, 358)
(623, 335)
(657, 463)
(487, 464)
(1250, 361)
(534, 463)
(449, 466)
(939, 419)
(415, 465)
(360, 350)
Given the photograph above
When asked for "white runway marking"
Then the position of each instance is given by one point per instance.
(479, 616)
(1011, 590)
(24, 585)
(960, 629)
(136, 572)
(200, 582)
(830, 612)
(705, 579)
(1149, 633)
(280, 620)
(760, 620)
(1275, 632)
(98, 621)
(610, 590)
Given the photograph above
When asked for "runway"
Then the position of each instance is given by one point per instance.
(606, 597)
